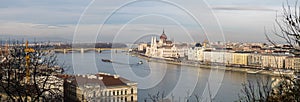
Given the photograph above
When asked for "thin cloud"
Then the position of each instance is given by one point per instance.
(45, 26)
(239, 8)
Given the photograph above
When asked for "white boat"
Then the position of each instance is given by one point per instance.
(252, 71)
(140, 62)
(297, 76)
(285, 72)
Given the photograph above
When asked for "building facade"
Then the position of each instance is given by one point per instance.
(214, 56)
(254, 60)
(196, 53)
(240, 58)
(273, 61)
(292, 63)
(100, 87)
(228, 58)
(142, 47)
(164, 49)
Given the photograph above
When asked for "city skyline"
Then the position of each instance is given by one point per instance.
(57, 19)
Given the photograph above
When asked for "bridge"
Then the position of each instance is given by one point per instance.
(83, 50)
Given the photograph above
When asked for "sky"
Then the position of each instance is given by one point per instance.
(130, 20)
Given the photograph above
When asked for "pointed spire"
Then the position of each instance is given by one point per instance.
(163, 35)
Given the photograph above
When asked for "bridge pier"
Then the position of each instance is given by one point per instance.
(82, 50)
(65, 51)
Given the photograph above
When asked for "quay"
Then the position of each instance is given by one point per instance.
(248, 70)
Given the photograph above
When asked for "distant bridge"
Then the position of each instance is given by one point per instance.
(83, 50)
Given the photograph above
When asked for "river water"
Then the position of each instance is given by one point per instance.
(177, 83)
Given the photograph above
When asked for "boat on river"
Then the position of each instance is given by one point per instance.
(252, 71)
(284, 72)
(106, 60)
(140, 62)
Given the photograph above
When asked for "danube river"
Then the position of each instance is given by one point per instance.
(173, 81)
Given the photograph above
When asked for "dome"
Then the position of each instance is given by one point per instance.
(163, 35)
(198, 45)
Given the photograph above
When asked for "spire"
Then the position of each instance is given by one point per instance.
(163, 35)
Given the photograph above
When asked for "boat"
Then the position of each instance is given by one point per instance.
(106, 60)
(296, 76)
(140, 62)
(284, 72)
(253, 71)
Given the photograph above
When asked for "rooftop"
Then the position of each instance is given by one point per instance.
(98, 79)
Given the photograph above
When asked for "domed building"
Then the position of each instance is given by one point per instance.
(196, 53)
(163, 48)
(163, 37)
(163, 40)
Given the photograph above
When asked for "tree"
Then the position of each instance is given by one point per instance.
(32, 79)
(256, 91)
(285, 88)
(289, 26)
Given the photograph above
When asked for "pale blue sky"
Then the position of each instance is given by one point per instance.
(241, 20)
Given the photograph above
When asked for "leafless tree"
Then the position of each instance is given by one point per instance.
(160, 97)
(42, 66)
(256, 91)
(289, 26)
(284, 88)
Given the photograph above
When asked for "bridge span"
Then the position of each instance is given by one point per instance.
(83, 50)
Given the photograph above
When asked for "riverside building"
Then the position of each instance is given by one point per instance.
(99, 87)
(164, 49)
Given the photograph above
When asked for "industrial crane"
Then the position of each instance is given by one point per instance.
(27, 59)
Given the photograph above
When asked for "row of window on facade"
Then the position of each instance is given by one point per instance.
(286, 61)
(117, 92)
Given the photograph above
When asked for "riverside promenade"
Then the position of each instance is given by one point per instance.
(214, 66)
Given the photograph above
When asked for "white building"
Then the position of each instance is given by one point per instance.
(214, 56)
(142, 47)
(196, 53)
(164, 49)
(228, 58)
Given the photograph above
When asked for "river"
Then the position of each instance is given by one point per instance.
(174, 81)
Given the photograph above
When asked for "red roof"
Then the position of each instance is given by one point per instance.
(163, 36)
(100, 79)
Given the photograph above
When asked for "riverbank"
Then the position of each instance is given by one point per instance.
(215, 66)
